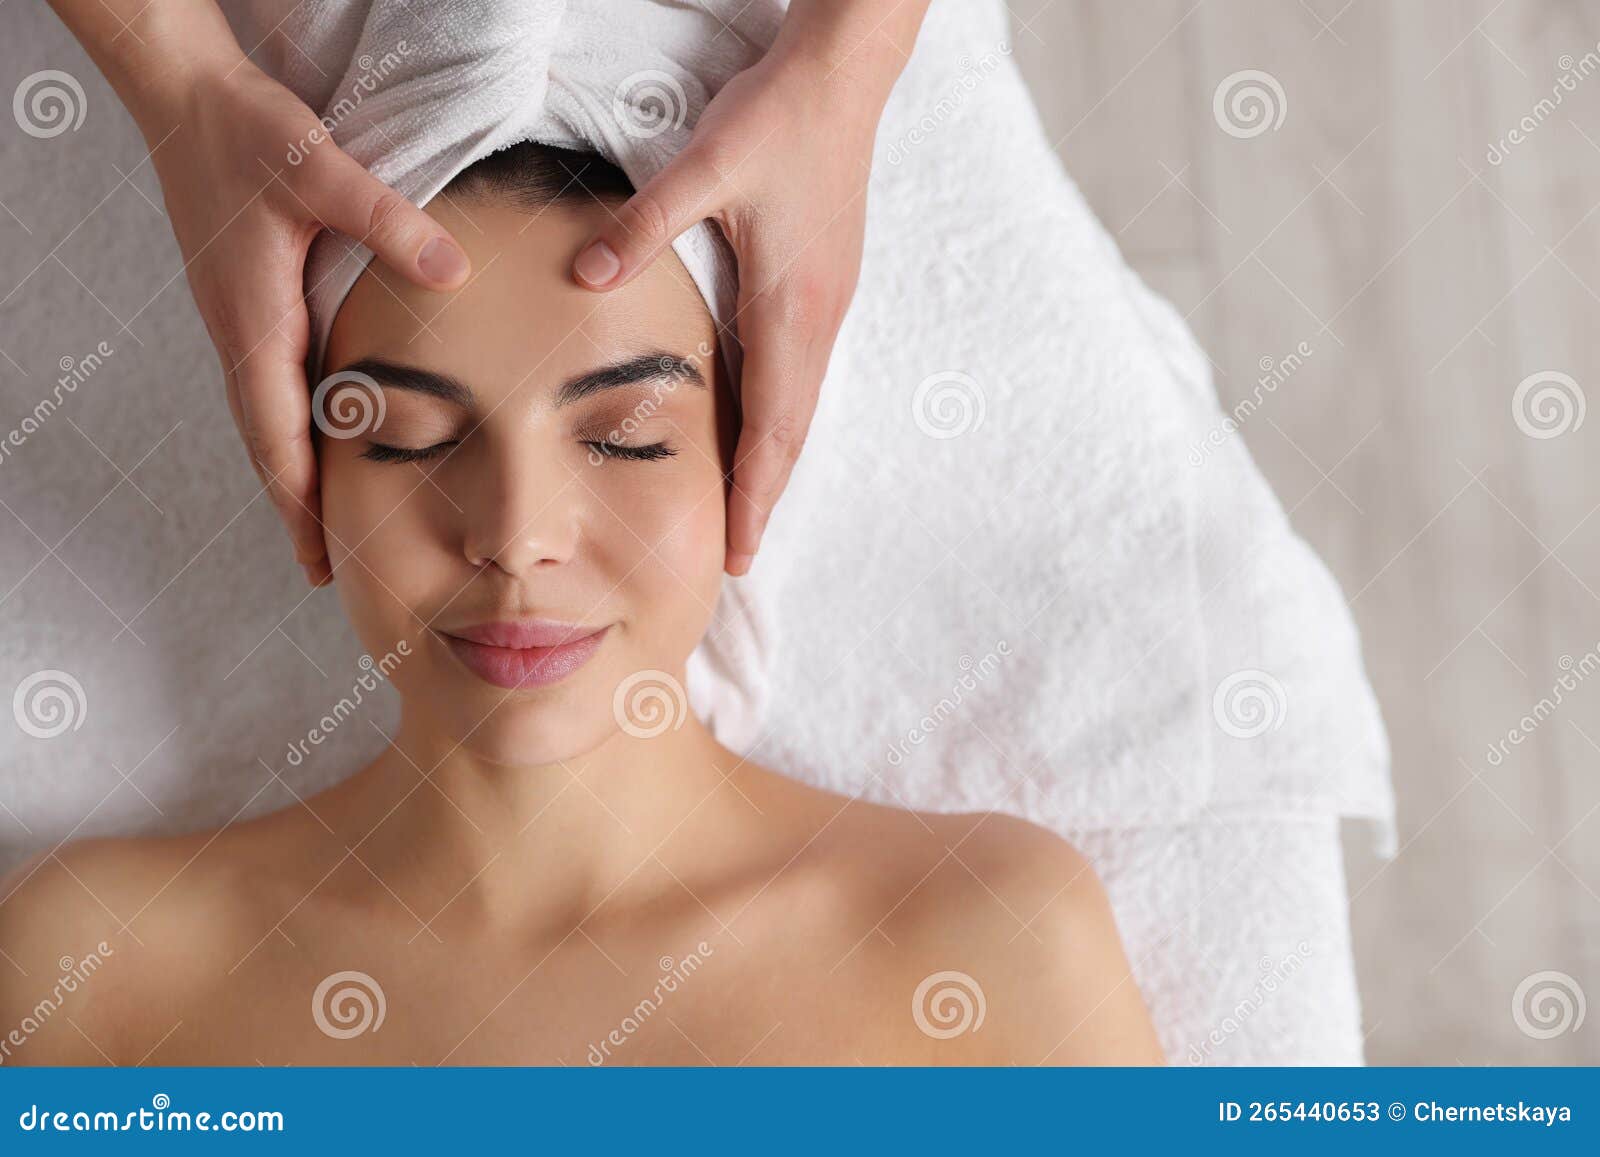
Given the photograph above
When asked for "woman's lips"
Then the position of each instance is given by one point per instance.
(524, 654)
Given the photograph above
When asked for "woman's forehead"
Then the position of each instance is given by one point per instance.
(521, 316)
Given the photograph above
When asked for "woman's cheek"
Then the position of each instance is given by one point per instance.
(695, 549)
(382, 549)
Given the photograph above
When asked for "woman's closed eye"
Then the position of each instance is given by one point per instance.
(600, 449)
(652, 452)
(378, 452)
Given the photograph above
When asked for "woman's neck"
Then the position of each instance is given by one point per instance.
(545, 844)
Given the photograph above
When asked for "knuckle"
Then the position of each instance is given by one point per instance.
(781, 435)
(386, 221)
(714, 153)
(646, 219)
(273, 456)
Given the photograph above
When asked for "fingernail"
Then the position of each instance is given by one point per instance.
(597, 264)
(442, 260)
(739, 563)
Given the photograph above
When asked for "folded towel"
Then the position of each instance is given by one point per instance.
(1238, 933)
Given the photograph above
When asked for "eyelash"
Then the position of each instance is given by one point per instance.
(377, 452)
(651, 453)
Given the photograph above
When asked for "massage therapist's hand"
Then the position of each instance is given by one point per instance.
(221, 134)
(780, 160)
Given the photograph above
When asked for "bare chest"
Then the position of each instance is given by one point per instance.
(698, 994)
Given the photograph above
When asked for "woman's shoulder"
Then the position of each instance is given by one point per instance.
(992, 935)
(99, 933)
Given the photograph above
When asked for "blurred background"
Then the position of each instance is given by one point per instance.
(1401, 202)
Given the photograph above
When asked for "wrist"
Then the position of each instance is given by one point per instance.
(862, 43)
(155, 57)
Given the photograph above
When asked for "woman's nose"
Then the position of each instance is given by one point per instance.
(521, 513)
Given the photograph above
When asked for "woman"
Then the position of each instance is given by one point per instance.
(554, 861)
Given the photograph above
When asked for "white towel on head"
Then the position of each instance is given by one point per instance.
(423, 92)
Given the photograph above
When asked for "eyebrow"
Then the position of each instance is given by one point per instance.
(657, 365)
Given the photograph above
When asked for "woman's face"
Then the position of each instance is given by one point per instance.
(536, 463)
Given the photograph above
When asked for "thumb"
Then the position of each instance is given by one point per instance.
(674, 199)
(346, 197)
